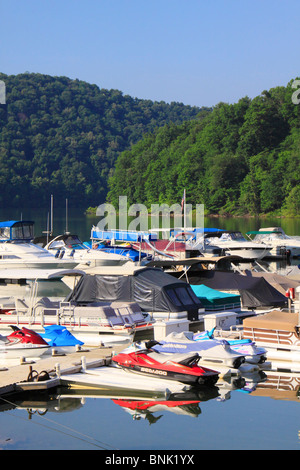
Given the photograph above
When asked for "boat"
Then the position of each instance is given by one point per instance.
(22, 342)
(282, 245)
(158, 294)
(94, 322)
(18, 251)
(256, 293)
(210, 350)
(276, 331)
(214, 300)
(245, 347)
(27, 285)
(126, 244)
(70, 246)
(234, 243)
(60, 338)
(183, 368)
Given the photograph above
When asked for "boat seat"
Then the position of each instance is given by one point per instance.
(46, 306)
(3, 340)
(180, 357)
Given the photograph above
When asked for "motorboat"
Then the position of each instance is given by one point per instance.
(277, 332)
(158, 294)
(70, 246)
(122, 244)
(22, 342)
(245, 347)
(93, 322)
(18, 251)
(29, 285)
(282, 245)
(210, 350)
(234, 243)
(179, 367)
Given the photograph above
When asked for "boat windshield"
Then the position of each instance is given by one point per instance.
(270, 236)
(17, 231)
(232, 236)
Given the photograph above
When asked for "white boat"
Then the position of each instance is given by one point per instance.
(116, 378)
(282, 245)
(210, 351)
(234, 243)
(18, 251)
(158, 293)
(22, 343)
(247, 348)
(70, 246)
(95, 324)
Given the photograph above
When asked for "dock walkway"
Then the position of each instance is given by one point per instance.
(10, 377)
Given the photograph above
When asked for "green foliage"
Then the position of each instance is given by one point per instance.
(62, 137)
(238, 159)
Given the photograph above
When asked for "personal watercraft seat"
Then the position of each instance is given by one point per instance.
(180, 358)
(3, 340)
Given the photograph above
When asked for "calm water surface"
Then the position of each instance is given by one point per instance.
(262, 414)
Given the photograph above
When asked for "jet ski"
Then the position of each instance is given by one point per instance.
(22, 342)
(210, 350)
(59, 336)
(183, 368)
(252, 353)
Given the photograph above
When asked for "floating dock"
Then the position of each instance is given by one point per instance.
(17, 378)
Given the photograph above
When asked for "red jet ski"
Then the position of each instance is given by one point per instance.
(181, 367)
(22, 343)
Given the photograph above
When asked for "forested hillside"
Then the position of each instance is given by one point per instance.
(239, 159)
(61, 136)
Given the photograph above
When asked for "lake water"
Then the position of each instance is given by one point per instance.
(262, 412)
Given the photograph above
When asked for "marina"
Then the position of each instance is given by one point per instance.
(239, 411)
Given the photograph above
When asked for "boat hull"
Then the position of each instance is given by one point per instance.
(150, 363)
(171, 375)
(23, 350)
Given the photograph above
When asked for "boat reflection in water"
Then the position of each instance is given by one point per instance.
(138, 403)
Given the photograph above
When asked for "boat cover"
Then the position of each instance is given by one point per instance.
(281, 283)
(183, 342)
(274, 320)
(57, 335)
(212, 298)
(254, 292)
(153, 289)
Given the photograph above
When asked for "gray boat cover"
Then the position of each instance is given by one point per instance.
(153, 289)
(255, 292)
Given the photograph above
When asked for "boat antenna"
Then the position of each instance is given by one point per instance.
(51, 211)
(67, 231)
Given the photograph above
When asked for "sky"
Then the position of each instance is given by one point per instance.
(196, 52)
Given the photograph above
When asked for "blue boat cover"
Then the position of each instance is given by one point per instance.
(57, 335)
(211, 297)
(183, 342)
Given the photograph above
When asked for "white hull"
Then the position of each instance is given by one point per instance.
(37, 264)
(246, 253)
(91, 335)
(14, 351)
(116, 378)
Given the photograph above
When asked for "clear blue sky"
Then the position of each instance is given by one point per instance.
(197, 52)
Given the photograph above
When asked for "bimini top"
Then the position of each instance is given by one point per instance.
(16, 230)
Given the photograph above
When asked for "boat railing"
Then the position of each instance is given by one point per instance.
(234, 331)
